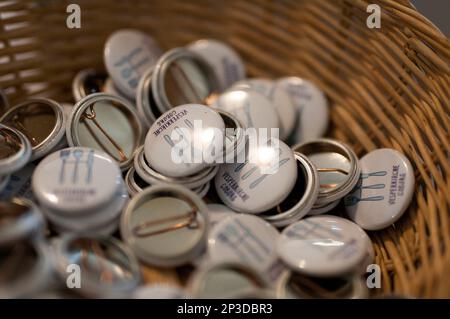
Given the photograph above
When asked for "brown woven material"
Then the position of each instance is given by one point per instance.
(387, 88)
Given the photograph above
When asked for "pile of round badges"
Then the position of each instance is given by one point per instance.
(76, 178)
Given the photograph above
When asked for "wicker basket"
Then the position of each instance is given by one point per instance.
(387, 87)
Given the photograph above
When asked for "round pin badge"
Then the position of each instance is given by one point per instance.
(246, 239)
(159, 291)
(128, 53)
(108, 269)
(226, 281)
(250, 107)
(19, 219)
(182, 77)
(225, 61)
(106, 123)
(15, 150)
(76, 179)
(384, 190)
(88, 82)
(337, 166)
(311, 107)
(41, 121)
(184, 140)
(300, 200)
(248, 187)
(279, 99)
(165, 225)
(324, 246)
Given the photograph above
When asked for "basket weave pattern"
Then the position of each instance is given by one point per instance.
(387, 87)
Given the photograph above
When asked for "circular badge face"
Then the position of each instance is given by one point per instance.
(337, 165)
(324, 246)
(183, 141)
(159, 291)
(246, 239)
(311, 106)
(128, 53)
(384, 190)
(279, 99)
(224, 60)
(165, 225)
(251, 108)
(262, 181)
(76, 179)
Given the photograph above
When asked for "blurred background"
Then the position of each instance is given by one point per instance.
(438, 11)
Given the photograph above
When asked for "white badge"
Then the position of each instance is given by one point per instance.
(182, 141)
(311, 106)
(279, 99)
(128, 53)
(324, 246)
(250, 107)
(261, 182)
(76, 179)
(244, 238)
(225, 61)
(384, 190)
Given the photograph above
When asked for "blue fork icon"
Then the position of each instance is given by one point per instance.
(353, 200)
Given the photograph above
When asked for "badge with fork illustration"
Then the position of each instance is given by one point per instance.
(365, 182)
(72, 162)
(384, 190)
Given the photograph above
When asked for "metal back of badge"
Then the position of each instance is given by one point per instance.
(41, 121)
(170, 76)
(94, 123)
(165, 225)
(337, 165)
